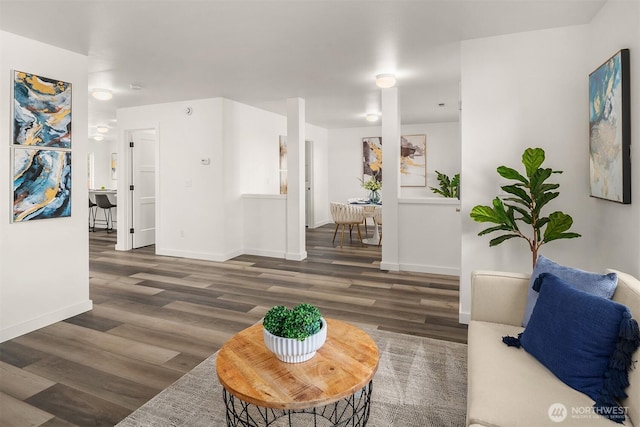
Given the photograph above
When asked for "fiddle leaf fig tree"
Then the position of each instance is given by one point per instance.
(528, 195)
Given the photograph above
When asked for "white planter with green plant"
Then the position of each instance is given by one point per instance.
(294, 335)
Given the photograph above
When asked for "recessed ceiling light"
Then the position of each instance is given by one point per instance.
(373, 117)
(385, 80)
(102, 129)
(102, 94)
(134, 86)
(98, 137)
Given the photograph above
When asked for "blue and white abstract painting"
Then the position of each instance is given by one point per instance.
(42, 111)
(41, 184)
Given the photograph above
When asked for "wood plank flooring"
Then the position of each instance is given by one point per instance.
(155, 318)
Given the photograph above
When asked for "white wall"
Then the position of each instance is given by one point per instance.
(617, 229)
(102, 163)
(428, 225)
(345, 158)
(531, 89)
(44, 264)
(200, 211)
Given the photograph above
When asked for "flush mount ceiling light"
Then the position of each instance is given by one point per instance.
(373, 117)
(102, 129)
(98, 138)
(385, 81)
(102, 94)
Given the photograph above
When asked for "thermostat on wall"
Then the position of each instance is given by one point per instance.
(205, 161)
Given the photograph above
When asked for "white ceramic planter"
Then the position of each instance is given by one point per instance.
(291, 350)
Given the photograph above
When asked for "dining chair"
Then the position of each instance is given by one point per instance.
(346, 215)
(105, 204)
(92, 215)
(377, 219)
(368, 213)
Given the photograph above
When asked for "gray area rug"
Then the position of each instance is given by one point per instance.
(420, 382)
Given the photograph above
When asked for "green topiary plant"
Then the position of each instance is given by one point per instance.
(301, 322)
(529, 195)
(449, 187)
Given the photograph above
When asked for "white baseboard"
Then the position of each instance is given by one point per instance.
(45, 320)
(262, 252)
(464, 317)
(391, 266)
(430, 269)
(296, 256)
(206, 256)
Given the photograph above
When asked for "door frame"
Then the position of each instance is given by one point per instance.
(125, 215)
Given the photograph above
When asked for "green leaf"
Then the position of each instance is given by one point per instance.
(510, 173)
(502, 227)
(485, 214)
(502, 238)
(532, 158)
(559, 222)
(517, 191)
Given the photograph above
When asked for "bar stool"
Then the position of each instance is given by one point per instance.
(105, 204)
(92, 215)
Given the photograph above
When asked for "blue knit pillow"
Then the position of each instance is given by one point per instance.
(603, 285)
(585, 340)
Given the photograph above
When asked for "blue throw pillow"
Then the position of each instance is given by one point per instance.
(603, 285)
(585, 340)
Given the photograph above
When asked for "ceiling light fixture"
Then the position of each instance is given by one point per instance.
(134, 86)
(102, 94)
(385, 81)
(102, 129)
(373, 117)
(98, 137)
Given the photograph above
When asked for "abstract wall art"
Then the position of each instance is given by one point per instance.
(283, 164)
(610, 130)
(41, 111)
(372, 158)
(41, 184)
(413, 160)
(41, 147)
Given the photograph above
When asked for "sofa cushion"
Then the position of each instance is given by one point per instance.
(585, 340)
(509, 387)
(603, 285)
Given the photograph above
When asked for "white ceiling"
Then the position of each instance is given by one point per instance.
(263, 52)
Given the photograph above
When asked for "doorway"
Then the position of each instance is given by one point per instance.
(308, 184)
(143, 146)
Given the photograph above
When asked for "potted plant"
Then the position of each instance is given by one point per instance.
(294, 335)
(449, 187)
(529, 194)
(374, 186)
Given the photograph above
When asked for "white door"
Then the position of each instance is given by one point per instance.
(143, 194)
(308, 183)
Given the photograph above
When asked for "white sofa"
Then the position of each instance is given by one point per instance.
(507, 386)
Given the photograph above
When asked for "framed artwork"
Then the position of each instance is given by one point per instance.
(372, 158)
(283, 165)
(610, 130)
(114, 165)
(413, 160)
(41, 147)
(41, 184)
(41, 111)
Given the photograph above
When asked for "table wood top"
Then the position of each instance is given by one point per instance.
(346, 363)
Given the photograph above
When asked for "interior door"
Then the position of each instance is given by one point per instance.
(308, 183)
(144, 187)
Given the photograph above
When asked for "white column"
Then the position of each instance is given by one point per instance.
(296, 241)
(390, 178)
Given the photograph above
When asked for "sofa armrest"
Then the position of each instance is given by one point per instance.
(498, 297)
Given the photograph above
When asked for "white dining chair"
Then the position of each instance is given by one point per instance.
(346, 215)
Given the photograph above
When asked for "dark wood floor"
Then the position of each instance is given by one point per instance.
(155, 318)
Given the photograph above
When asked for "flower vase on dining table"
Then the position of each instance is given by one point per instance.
(374, 197)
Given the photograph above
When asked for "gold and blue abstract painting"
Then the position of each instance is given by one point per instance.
(610, 130)
(42, 111)
(41, 147)
(41, 184)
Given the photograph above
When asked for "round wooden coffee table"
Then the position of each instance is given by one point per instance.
(334, 386)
